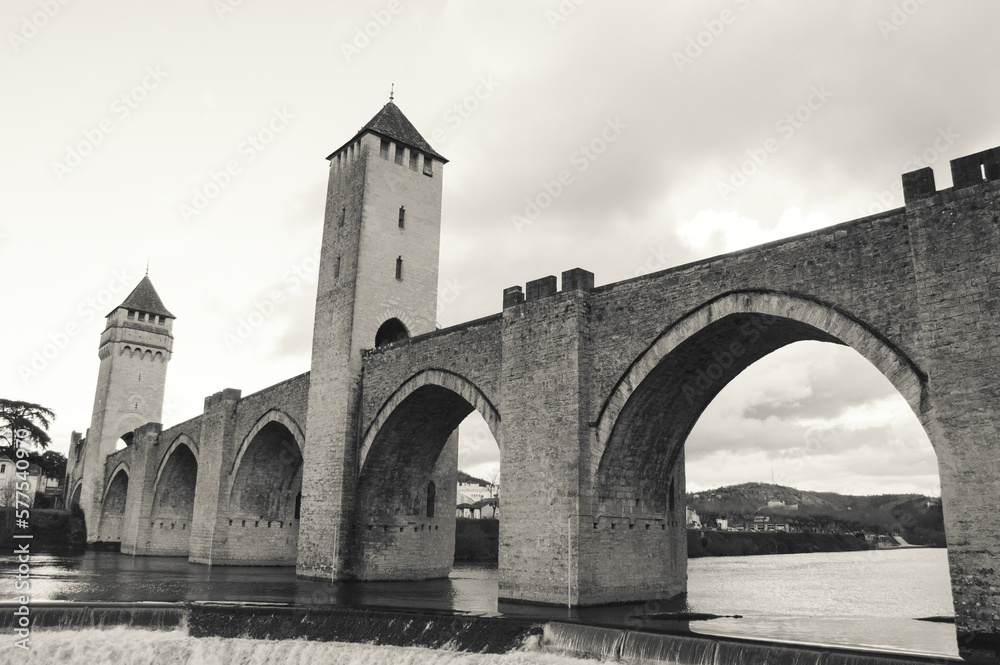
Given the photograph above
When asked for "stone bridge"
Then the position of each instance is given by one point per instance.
(591, 393)
(222, 488)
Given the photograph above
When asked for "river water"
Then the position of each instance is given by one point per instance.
(853, 599)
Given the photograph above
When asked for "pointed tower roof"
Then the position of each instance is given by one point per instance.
(390, 123)
(144, 298)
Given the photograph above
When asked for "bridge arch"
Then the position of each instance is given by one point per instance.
(428, 383)
(113, 505)
(172, 510)
(645, 420)
(261, 521)
(74, 501)
(404, 524)
(271, 416)
(180, 440)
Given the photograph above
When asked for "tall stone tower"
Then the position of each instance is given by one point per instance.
(134, 351)
(377, 284)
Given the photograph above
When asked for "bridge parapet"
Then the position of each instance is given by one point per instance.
(966, 171)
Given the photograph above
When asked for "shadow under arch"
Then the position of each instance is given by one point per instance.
(75, 495)
(269, 416)
(391, 331)
(260, 515)
(121, 468)
(113, 505)
(172, 509)
(440, 379)
(404, 520)
(646, 419)
(180, 440)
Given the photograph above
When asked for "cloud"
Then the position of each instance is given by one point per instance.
(711, 232)
(818, 416)
(478, 451)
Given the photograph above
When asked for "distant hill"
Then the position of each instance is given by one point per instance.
(915, 517)
(467, 479)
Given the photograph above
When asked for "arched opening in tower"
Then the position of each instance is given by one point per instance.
(173, 504)
(124, 441)
(390, 332)
(750, 394)
(262, 523)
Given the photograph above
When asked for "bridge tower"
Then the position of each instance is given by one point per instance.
(135, 348)
(378, 283)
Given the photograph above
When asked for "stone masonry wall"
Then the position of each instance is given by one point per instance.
(956, 244)
(543, 448)
(151, 447)
(471, 350)
(238, 538)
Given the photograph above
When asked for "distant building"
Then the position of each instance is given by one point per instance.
(482, 509)
(878, 541)
(722, 523)
(37, 482)
(692, 519)
(474, 492)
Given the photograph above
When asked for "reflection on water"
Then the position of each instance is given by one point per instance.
(866, 599)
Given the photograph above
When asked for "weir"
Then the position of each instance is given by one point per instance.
(242, 629)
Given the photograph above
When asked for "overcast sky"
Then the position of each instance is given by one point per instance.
(116, 115)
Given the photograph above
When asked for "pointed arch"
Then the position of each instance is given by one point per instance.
(121, 468)
(272, 415)
(441, 378)
(75, 494)
(799, 316)
(181, 440)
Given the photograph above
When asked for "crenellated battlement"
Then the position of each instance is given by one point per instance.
(576, 279)
(966, 171)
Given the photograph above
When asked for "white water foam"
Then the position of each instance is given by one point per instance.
(129, 646)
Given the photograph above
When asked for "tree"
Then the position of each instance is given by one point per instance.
(33, 418)
(53, 464)
(493, 482)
